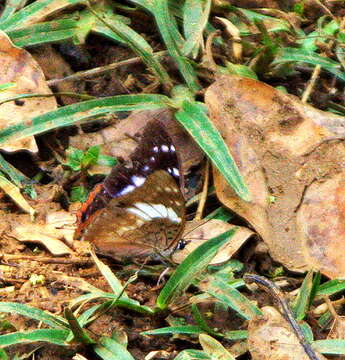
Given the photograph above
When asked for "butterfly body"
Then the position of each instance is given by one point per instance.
(139, 209)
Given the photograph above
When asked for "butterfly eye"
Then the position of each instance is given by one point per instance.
(181, 244)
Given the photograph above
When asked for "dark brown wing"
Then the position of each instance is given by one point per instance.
(147, 221)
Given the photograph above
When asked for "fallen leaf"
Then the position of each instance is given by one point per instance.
(271, 337)
(47, 236)
(290, 155)
(197, 232)
(18, 66)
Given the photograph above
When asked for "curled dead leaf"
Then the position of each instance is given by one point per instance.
(287, 152)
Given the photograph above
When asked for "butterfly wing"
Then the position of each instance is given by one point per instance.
(138, 210)
(143, 222)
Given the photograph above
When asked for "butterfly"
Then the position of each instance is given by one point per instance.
(139, 209)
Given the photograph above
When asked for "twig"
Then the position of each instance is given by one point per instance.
(102, 69)
(273, 290)
(317, 69)
(48, 260)
(202, 201)
(311, 83)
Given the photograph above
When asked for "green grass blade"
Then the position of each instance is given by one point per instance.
(195, 16)
(72, 114)
(220, 214)
(330, 347)
(301, 304)
(14, 193)
(197, 316)
(234, 299)
(214, 348)
(172, 38)
(331, 287)
(300, 55)
(3, 355)
(10, 8)
(34, 313)
(35, 12)
(235, 335)
(110, 349)
(112, 280)
(169, 32)
(7, 86)
(191, 354)
(194, 119)
(136, 42)
(47, 32)
(15, 175)
(307, 331)
(194, 263)
(122, 302)
(53, 336)
(79, 334)
(173, 330)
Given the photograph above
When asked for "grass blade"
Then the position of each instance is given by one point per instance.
(194, 263)
(191, 354)
(234, 299)
(35, 12)
(43, 33)
(53, 336)
(78, 333)
(137, 43)
(34, 313)
(330, 347)
(172, 330)
(194, 119)
(195, 16)
(13, 192)
(301, 304)
(214, 348)
(289, 54)
(72, 114)
(331, 287)
(10, 8)
(110, 349)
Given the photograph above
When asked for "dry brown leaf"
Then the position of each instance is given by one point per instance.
(294, 153)
(58, 227)
(45, 235)
(18, 66)
(197, 232)
(271, 337)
